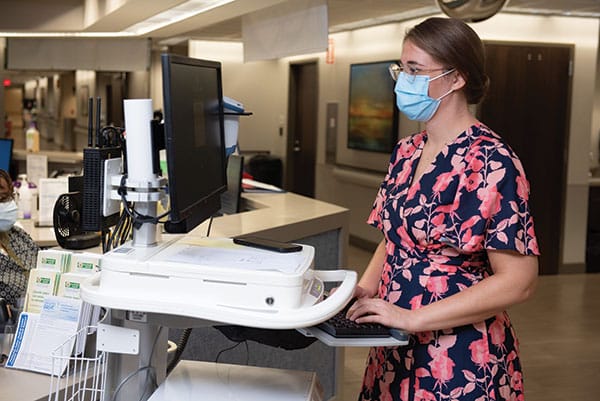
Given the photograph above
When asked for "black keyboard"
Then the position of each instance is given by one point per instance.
(341, 327)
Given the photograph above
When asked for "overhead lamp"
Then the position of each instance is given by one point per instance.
(173, 15)
(64, 34)
(471, 10)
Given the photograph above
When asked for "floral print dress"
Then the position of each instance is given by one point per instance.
(473, 198)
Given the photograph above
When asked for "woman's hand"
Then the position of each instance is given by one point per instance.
(376, 310)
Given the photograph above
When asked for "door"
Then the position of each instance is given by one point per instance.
(302, 129)
(528, 105)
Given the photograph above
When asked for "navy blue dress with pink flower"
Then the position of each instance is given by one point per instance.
(473, 198)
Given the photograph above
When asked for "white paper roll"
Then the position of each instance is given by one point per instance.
(138, 117)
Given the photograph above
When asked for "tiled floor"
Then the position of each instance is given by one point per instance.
(559, 335)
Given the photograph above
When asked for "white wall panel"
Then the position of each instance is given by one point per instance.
(78, 54)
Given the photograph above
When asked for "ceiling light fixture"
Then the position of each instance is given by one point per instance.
(173, 15)
(64, 34)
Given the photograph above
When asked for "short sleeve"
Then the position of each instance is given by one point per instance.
(505, 198)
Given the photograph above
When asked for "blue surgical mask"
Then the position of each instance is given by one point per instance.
(412, 96)
(8, 215)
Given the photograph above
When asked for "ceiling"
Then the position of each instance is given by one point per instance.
(224, 22)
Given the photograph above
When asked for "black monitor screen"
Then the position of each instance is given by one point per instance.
(194, 139)
(6, 146)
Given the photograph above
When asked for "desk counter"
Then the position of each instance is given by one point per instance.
(43, 236)
(23, 386)
(285, 217)
(281, 216)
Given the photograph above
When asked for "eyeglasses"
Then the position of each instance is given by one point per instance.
(411, 72)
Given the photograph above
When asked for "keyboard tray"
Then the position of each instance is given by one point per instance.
(340, 326)
(338, 331)
(332, 341)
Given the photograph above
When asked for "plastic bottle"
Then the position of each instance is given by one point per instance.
(26, 198)
(32, 138)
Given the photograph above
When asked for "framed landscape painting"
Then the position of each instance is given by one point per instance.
(372, 112)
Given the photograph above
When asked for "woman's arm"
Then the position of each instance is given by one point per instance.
(368, 285)
(514, 281)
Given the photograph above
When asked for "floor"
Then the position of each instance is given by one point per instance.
(559, 335)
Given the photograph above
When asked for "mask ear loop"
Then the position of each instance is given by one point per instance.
(443, 75)
(445, 94)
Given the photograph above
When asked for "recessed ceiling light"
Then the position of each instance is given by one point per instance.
(173, 15)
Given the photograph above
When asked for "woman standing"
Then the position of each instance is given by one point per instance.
(459, 245)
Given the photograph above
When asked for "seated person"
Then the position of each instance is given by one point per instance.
(18, 251)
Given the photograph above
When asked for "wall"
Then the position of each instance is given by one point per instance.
(595, 140)
(47, 96)
(357, 46)
(68, 99)
(64, 54)
(67, 110)
(13, 105)
(85, 87)
(584, 33)
(138, 84)
(263, 87)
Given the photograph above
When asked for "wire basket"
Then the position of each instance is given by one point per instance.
(75, 376)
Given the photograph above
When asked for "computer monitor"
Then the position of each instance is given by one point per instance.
(194, 139)
(232, 198)
(6, 147)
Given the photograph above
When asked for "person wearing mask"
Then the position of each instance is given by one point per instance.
(18, 252)
(459, 245)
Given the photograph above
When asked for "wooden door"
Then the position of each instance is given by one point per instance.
(528, 105)
(302, 129)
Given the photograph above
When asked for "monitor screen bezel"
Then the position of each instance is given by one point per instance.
(183, 218)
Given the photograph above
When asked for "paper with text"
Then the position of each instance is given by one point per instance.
(39, 336)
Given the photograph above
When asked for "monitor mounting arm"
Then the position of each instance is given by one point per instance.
(140, 184)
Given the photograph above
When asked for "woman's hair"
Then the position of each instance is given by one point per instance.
(4, 176)
(454, 44)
